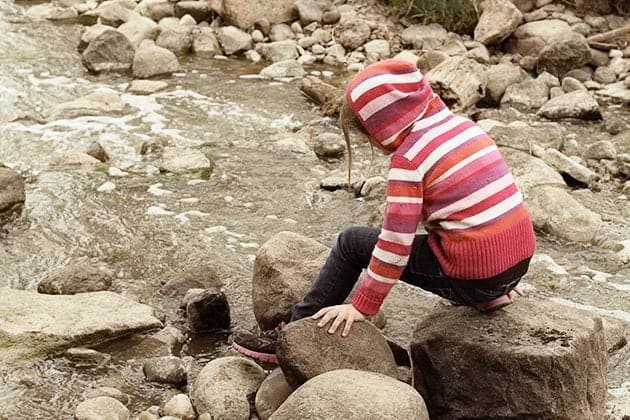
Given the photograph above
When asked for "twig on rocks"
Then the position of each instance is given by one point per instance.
(607, 36)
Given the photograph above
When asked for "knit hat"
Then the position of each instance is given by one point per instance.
(387, 97)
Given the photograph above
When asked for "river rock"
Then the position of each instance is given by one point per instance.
(76, 278)
(329, 146)
(604, 75)
(425, 37)
(531, 359)
(284, 269)
(179, 41)
(33, 325)
(233, 40)
(208, 310)
(460, 82)
(304, 351)
(223, 387)
(531, 172)
(308, 11)
(199, 10)
(180, 160)
(205, 42)
(430, 59)
(151, 60)
(283, 69)
(279, 50)
(529, 39)
(111, 51)
(145, 87)
(138, 29)
(378, 49)
(563, 53)
(569, 84)
(179, 407)
(527, 95)
(354, 33)
(603, 149)
(281, 32)
(272, 393)
(244, 13)
(617, 91)
(555, 211)
(499, 77)
(91, 32)
(101, 408)
(363, 394)
(106, 391)
(156, 9)
(166, 370)
(202, 276)
(12, 195)
(568, 166)
(578, 104)
(113, 13)
(100, 103)
(83, 357)
(497, 22)
(523, 136)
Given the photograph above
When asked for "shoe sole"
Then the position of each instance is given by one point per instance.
(263, 357)
(495, 304)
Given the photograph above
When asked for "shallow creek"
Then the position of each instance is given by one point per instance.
(255, 191)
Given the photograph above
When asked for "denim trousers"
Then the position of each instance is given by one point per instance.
(352, 253)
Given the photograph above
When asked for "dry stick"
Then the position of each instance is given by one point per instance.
(607, 36)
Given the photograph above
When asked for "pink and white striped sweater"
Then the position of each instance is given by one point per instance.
(446, 174)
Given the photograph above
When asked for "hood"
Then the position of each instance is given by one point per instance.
(387, 98)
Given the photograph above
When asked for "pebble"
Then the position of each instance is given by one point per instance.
(106, 187)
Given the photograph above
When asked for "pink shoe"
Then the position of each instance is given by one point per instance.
(494, 304)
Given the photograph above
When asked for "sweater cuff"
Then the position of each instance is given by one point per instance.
(367, 305)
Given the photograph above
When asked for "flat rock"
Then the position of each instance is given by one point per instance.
(244, 13)
(34, 325)
(146, 87)
(183, 160)
(105, 102)
(577, 104)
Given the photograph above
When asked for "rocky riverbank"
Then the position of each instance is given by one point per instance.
(160, 212)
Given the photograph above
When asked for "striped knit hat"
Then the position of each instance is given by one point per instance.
(387, 98)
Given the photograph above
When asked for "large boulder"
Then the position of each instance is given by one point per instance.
(272, 393)
(12, 194)
(524, 136)
(111, 51)
(497, 22)
(305, 350)
(460, 82)
(234, 40)
(225, 385)
(138, 29)
(279, 50)
(353, 395)
(529, 39)
(425, 37)
(35, 325)
(577, 104)
(564, 52)
(525, 96)
(285, 267)
(354, 33)
(499, 77)
(530, 360)
(76, 278)
(151, 60)
(178, 40)
(244, 13)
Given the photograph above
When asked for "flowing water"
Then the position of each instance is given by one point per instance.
(152, 224)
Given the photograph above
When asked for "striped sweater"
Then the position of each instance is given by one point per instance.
(445, 174)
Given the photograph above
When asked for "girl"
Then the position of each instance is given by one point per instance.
(445, 174)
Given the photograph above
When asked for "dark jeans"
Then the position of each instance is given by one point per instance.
(352, 253)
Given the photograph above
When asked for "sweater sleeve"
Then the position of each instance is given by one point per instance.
(392, 250)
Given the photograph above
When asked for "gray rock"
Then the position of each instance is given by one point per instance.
(179, 41)
(322, 36)
(283, 69)
(205, 42)
(233, 40)
(568, 166)
(100, 103)
(529, 39)
(599, 58)
(202, 276)
(564, 52)
(499, 77)
(531, 172)
(619, 65)
(305, 350)
(111, 51)
(363, 394)
(138, 29)
(181, 160)
(199, 10)
(619, 91)
(512, 364)
(281, 32)
(145, 87)
(538, 14)
(166, 370)
(279, 50)
(499, 20)
(179, 407)
(578, 104)
(424, 36)
(106, 391)
(549, 79)
(329, 146)
(378, 49)
(284, 269)
(308, 11)
(223, 387)
(526, 96)
(156, 9)
(460, 81)
(76, 278)
(245, 13)
(479, 54)
(331, 16)
(569, 84)
(374, 188)
(583, 74)
(604, 75)
(430, 60)
(12, 194)
(91, 32)
(151, 60)
(208, 310)
(603, 149)
(354, 33)
(84, 357)
(524, 136)
(272, 393)
(112, 13)
(555, 91)
(101, 408)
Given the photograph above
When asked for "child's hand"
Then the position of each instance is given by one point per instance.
(339, 313)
